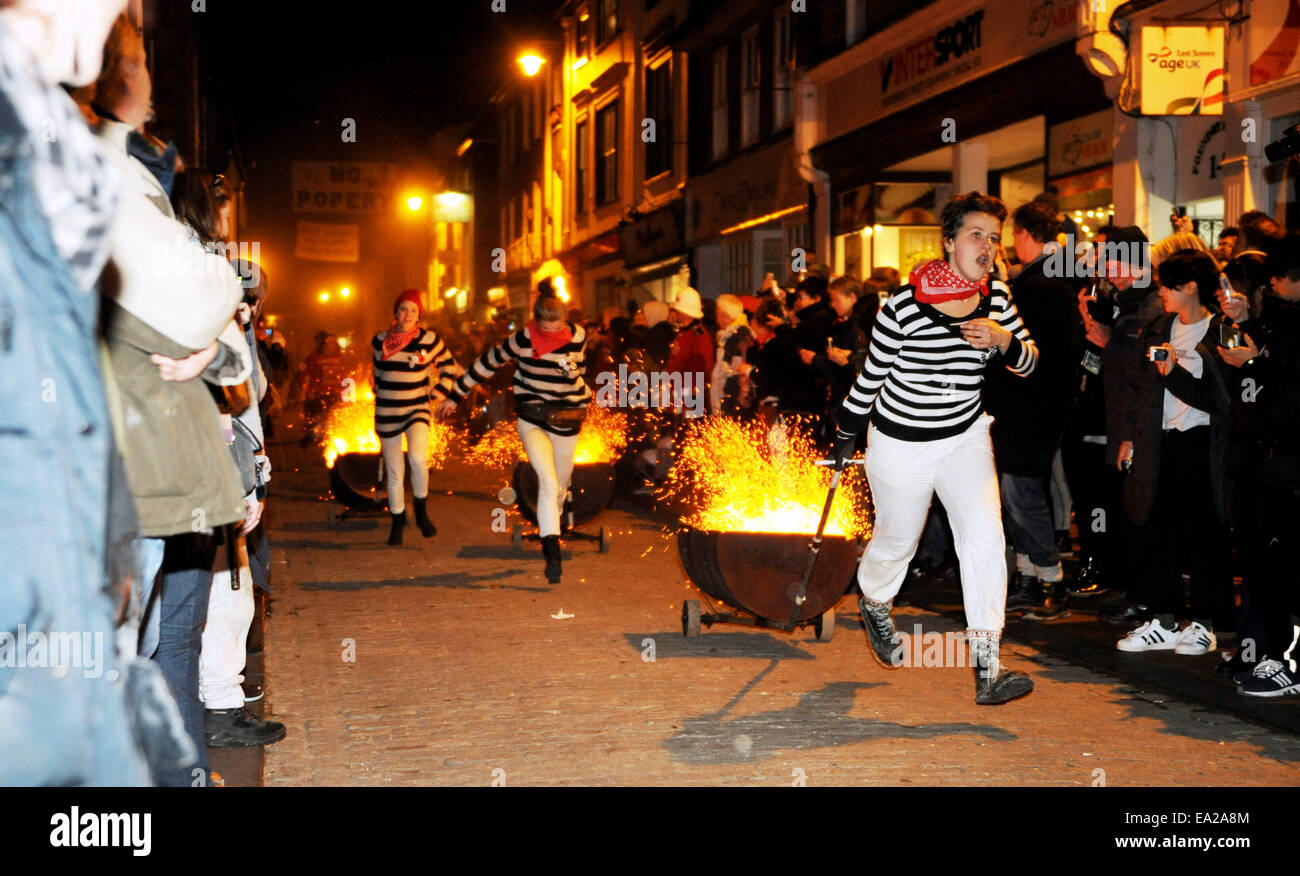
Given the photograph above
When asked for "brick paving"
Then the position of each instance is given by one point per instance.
(464, 675)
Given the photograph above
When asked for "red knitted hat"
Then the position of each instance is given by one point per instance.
(414, 295)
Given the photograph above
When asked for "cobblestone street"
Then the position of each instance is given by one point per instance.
(470, 669)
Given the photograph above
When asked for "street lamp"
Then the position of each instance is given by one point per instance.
(531, 63)
(414, 203)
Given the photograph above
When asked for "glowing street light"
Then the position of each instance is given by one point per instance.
(531, 63)
(324, 296)
(345, 291)
(414, 203)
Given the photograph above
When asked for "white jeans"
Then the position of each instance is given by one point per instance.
(225, 635)
(903, 476)
(551, 456)
(417, 453)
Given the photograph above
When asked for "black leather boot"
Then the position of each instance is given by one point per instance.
(422, 517)
(993, 684)
(1023, 593)
(395, 534)
(551, 552)
(1054, 606)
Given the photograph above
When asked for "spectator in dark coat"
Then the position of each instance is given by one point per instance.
(1030, 412)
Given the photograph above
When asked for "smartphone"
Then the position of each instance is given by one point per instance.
(1230, 336)
(1157, 354)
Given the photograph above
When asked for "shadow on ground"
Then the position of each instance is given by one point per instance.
(757, 646)
(455, 581)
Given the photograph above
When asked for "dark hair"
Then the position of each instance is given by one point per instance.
(954, 212)
(768, 307)
(1192, 266)
(1106, 230)
(1257, 229)
(814, 287)
(545, 288)
(1229, 231)
(1248, 274)
(548, 308)
(1284, 257)
(1039, 219)
(192, 201)
(846, 285)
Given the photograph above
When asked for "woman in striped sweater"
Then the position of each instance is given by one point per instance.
(920, 389)
(550, 398)
(405, 355)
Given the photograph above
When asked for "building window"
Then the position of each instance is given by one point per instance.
(855, 21)
(774, 258)
(751, 73)
(518, 208)
(580, 169)
(782, 70)
(740, 266)
(607, 154)
(606, 20)
(582, 36)
(720, 108)
(796, 237)
(659, 106)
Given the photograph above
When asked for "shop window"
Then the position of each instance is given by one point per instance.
(607, 154)
(659, 106)
(740, 266)
(752, 71)
(720, 107)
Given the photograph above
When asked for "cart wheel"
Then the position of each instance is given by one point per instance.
(605, 539)
(690, 618)
(331, 516)
(824, 625)
(517, 537)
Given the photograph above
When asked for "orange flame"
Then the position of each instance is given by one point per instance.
(741, 479)
(602, 439)
(351, 428)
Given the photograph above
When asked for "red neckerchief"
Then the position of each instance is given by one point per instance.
(395, 340)
(544, 342)
(935, 282)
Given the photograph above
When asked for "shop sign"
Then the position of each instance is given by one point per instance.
(321, 242)
(1181, 71)
(1201, 173)
(655, 235)
(1081, 143)
(341, 186)
(1272, 41)
(918, 59)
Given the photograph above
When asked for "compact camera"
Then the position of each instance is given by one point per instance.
(1157, 354)
(1230, 336)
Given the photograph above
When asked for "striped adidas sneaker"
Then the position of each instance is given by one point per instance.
(1151, 636)
(1196, 639)
(1272, 678)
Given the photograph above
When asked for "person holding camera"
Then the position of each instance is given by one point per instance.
(1175, 445)
(551, 398)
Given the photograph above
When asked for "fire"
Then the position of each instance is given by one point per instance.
(602, 439)
(351, 429)
(741, 479)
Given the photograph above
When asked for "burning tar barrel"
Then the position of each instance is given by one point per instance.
(354, 480)
(759, 572)
(592, 486)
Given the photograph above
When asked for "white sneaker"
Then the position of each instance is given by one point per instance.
(1151, 636)
(1195, 639)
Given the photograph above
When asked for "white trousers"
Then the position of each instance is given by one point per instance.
(225, 635)
(417, 454)
(551, 456)
(903, 476)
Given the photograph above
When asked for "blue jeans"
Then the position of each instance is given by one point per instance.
(1027, 514)
(186, 578)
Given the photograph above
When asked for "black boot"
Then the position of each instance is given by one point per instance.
(1054, 606)
(422, 517)
(1087, 581)
(1023, 593)
(993, 684)
(551, 552)
(235, 728)
(395, 534)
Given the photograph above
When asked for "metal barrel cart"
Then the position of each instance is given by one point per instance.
(590, 490)
(758, 574)
(357, 481)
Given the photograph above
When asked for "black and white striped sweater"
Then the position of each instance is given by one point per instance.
(922, 379)
(402, 386)
(556, 378)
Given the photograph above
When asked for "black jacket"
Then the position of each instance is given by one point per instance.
(1030, 412)
(1209, 393)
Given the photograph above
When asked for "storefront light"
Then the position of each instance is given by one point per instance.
(324, 296)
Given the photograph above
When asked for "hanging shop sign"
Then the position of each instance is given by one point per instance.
(322, 242)
(1272, 42)
(920, 58)
(1081, 143)
(1181, 71)
(342, 186)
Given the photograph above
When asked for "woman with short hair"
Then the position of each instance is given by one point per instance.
(551, 400)
(929, 434)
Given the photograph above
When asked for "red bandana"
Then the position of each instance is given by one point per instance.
(935, 282)
(545, 342)
(395, 340)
